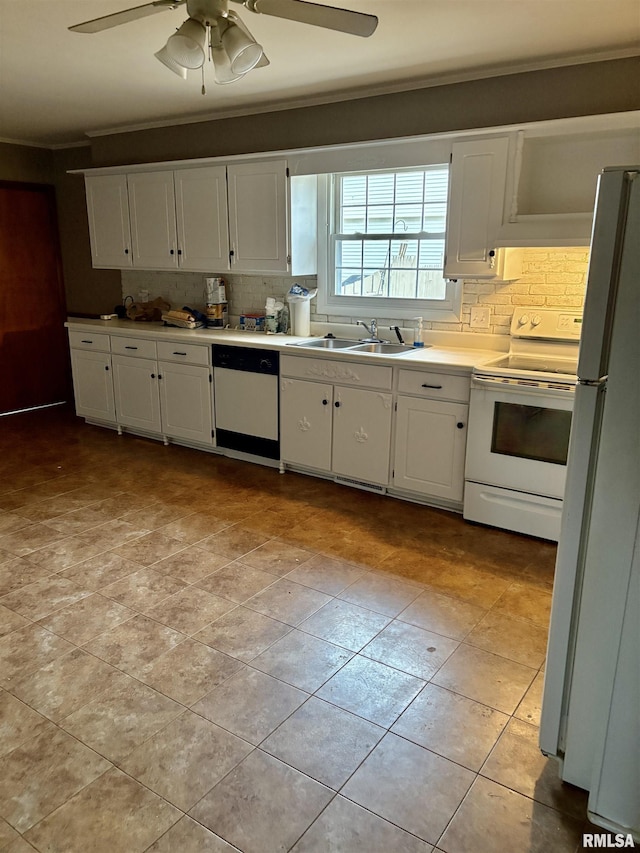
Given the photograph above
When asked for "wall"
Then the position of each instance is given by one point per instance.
(88, 291)
(548, 278)
(25, 163)
(580, 90)
(587, 89)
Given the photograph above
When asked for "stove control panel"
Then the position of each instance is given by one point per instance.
(550, 324)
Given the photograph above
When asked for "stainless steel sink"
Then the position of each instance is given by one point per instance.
(384, 348)
(325, 343)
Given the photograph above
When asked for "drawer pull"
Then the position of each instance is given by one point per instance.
(179, 353)
(86, 342)
(437, 387)
(127, 347)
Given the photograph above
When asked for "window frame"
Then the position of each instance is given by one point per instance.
(448, 309)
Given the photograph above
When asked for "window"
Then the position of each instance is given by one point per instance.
(386, 243)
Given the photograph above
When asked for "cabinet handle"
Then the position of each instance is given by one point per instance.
(126, 251)
(171, 252)
(128, 347)
(179, 353)
(437, 387)
(159, 376)
(86, 342)
(460, 425)
(325, 402)
(153, 376)
(337, 404)
(179, 251)
(106, 367)
(232, 253)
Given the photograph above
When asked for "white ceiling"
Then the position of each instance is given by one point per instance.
(55, 86)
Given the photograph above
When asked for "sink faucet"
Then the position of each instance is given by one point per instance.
(373, 332)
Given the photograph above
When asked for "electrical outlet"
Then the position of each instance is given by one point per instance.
(480, 317)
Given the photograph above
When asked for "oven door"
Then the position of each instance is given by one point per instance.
(519, 436)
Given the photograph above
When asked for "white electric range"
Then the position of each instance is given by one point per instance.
(519, 426)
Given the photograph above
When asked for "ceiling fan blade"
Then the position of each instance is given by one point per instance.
(124, 17)
(330, 17)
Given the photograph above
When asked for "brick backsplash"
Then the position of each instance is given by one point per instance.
(549, 278)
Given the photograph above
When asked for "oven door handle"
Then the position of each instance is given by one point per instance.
(544, 390)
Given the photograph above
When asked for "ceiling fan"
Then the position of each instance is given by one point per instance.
(212, 27)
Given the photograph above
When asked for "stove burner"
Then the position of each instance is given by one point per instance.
(535, 364)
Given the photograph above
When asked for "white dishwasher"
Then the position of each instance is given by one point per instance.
(245, 384)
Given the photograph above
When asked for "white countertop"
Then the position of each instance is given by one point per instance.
(449, 357)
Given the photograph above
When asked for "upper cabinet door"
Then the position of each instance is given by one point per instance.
(201, 215)
(108, 213)
(152, 208)
(258, 226)
(476, 204)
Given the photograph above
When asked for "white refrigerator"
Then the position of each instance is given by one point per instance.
(591, 705)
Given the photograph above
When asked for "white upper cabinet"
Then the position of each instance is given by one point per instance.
(108, 214)
(201, 216)
(189, 219)
(476, 205)
(258, 226)
(152, 209)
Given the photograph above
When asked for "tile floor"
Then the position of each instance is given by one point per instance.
(200, 655)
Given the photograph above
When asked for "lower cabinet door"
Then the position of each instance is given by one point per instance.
(186, 401)
(361, 434)
(429, 447)
(305, 423)
(135, 381)
(93, 385)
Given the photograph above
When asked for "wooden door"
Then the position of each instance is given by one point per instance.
(34, 356)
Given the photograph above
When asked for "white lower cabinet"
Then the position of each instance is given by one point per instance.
(93, 385)
(160, 388)
(361, 435)
(135, 382)
(430, 445)
(306, 414)
(337, 417)
(185, 401)
(337, 429)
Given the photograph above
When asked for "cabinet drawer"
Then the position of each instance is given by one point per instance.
(187, 353)
(89, 340)
(141, 347)
(340, 372)
(436, 386)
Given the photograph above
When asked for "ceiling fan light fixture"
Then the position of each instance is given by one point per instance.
(243, 50)
(186, 47)
(222, 66)
(164, 57)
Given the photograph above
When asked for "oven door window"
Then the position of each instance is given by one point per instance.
(531, 432)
